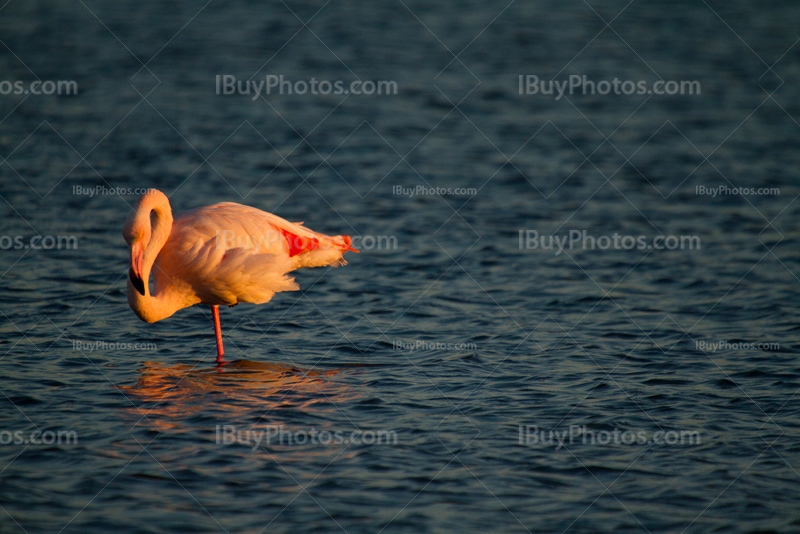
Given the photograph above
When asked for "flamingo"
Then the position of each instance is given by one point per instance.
(225, 253)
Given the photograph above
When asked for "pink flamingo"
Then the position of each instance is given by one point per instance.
(225, 253)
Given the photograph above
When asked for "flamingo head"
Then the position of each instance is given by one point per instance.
(147, 228)
(137, 234)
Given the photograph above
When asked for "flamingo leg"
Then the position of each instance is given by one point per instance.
(218, 333)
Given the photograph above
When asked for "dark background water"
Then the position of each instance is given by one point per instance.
(609, 339)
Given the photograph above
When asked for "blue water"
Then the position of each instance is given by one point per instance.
(445, 348)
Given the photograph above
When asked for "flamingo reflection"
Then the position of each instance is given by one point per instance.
(169, 396)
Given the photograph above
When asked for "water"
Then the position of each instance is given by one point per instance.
(610, 339)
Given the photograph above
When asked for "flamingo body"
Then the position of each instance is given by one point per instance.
(225, 253)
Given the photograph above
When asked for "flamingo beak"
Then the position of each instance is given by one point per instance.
(135, 271)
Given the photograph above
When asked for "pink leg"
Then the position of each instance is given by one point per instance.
(218, 332)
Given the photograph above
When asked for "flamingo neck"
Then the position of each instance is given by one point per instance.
(155, 214)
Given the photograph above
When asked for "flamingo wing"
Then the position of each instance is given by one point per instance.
(229, 253)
